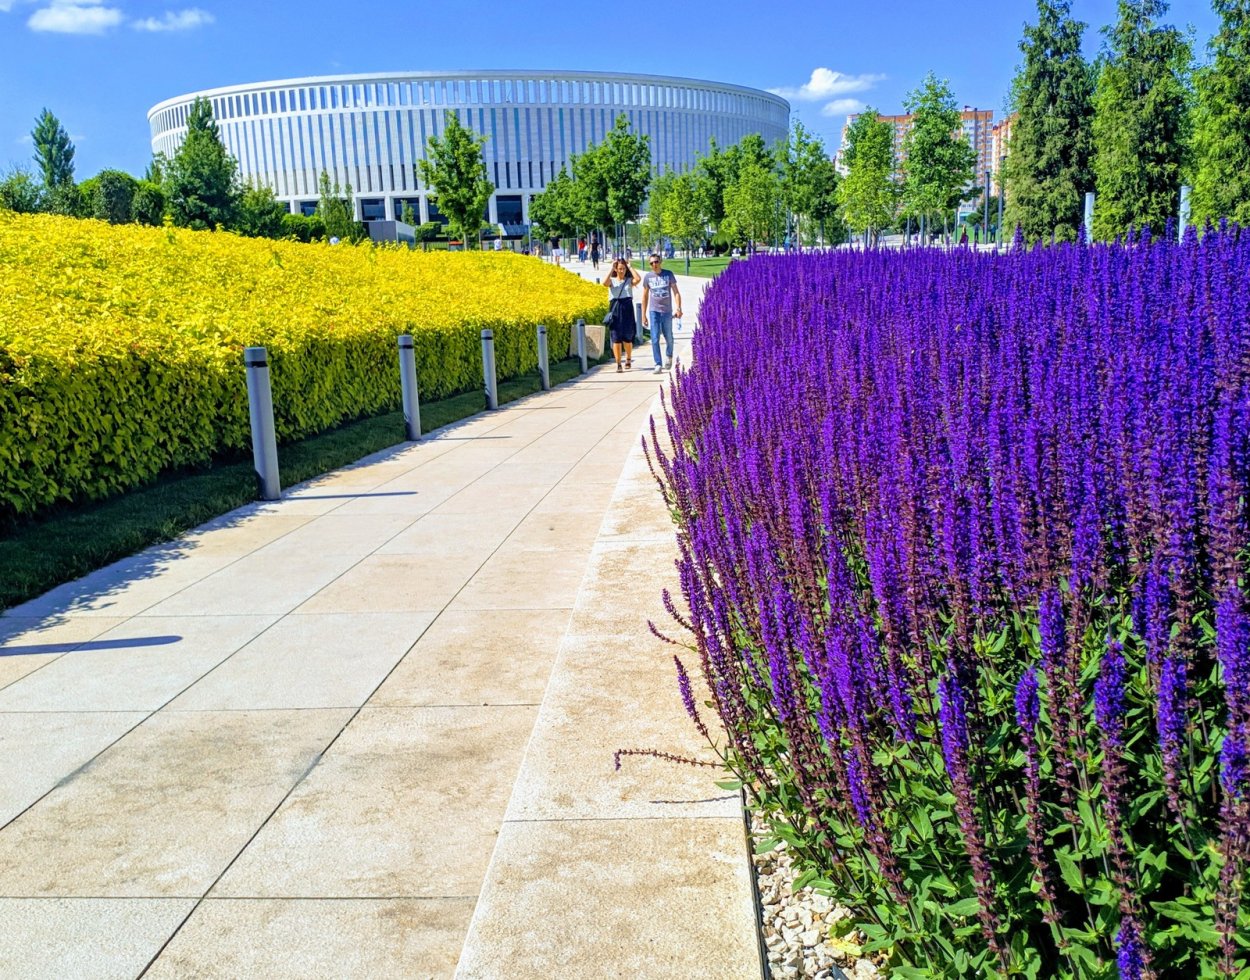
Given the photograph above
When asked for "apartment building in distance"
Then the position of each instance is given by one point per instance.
(1000, 140)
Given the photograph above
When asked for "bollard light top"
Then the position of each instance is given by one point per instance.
(488, 334)
(255, 356)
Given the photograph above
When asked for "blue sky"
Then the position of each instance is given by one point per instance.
(99, 65)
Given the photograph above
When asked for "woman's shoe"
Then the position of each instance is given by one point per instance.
(629, 363)
(619, 369)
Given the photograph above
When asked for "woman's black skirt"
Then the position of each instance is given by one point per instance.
(623, 325)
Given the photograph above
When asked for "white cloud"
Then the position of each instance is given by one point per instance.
(841, 107)
(74, 17)
(182, 20)
(826, 83)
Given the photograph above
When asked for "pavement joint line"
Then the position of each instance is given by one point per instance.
(356, 713)
(240, 898)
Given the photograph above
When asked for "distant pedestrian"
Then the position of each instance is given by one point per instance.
(621, 281)
(498, 244)
(594, 254)
(659, 296)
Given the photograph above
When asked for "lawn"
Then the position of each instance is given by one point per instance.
(705, 268)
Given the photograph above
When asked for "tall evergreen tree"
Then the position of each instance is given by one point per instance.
(869, 193)
(455, 172)
(53, 151)
(938, 169)
(1140, 121)
(1049, 165)
(201, 180)
(1222, 125)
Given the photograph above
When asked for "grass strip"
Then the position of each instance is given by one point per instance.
(71, 541)
(704, 268)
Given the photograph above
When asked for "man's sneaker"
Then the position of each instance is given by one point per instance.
(659, 369)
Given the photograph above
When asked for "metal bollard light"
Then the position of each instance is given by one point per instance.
(408, 386)
(1089, 217)
(1184, 215)
(544, 362)
(488, 368)
(260, 409)
(637, 323)
(580, 327)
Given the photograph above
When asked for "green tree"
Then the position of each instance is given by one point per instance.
(938, 169)
(712, 175)
(1049, 167)
(201, 180)
(21, 191)
(808, 181)
(455, 172)
(868, 193)
(260, 214)
(753, 204)
(337, 211)
(681, 211)
(554, 211)
(625, 162)
(148, 205)
(54, 153)
(1222, 125)
(109, 196)
(1140, 121)
(653, 228)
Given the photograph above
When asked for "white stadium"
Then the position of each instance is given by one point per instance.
(369, 130)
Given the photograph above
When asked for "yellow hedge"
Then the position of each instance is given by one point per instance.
(121, 346)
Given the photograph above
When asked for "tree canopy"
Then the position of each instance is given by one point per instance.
(1049, 167)
(201, 180)
(1140, 121)
(939, 162)
(869, 193)
(455, 172)
(1222, 120)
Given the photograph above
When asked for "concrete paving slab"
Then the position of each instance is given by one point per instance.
(569, 771)
(317, 939)
(30, 642)
(586, 899)
(477, 658)
(137, 666)
(437, 535)
(309, 661)
(406, 805)
(101, 938)
(163, 811)
(395, 583)
(517, 578)
(37, 751)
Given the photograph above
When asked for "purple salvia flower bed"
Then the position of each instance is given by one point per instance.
(964, 541)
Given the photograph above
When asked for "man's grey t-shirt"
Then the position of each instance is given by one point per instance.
(661, 286)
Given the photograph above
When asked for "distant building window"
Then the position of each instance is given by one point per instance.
(372, 209)
(307, 208)
(508, 208)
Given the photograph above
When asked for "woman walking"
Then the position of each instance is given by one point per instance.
(621, 281)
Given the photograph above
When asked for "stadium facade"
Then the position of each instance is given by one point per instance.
(369, 130)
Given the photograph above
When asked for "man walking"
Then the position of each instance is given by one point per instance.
(659, 293)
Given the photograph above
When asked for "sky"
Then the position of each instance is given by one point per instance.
(99, 65)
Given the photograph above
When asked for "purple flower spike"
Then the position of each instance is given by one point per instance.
(1130, 956)
(1028, 706)
(1109, 696)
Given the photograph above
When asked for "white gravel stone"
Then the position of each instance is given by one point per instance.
(796, 925)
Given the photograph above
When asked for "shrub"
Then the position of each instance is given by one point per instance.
(965, 557)
(121, 346)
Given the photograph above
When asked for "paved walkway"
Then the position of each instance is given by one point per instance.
(368, 730)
